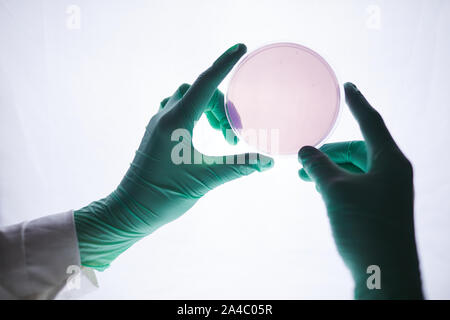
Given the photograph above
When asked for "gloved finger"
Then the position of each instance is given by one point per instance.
(176, 96)
(351, 152)
(303, 175)
(318, 166)
(228, 168)
(370, 121)
(216, 107)
(197, 97)
(212, 120)
(349, 167)
(228, 133)
(163, 103)
(179, 93)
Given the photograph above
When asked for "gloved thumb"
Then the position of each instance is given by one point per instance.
(318, 165)
(231, 167)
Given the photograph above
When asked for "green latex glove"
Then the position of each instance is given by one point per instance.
(214, 111)
(368, 193)
(168, 175)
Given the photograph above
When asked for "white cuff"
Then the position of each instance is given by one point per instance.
(41, 257)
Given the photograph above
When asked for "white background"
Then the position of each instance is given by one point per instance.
(76, 94)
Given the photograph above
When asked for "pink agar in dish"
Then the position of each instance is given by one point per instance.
(282, 97)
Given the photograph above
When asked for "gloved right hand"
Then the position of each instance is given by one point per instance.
(168, 174)
(368, 193)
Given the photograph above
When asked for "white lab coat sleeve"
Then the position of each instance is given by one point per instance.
(40, 259)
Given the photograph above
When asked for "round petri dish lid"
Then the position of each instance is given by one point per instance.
(282, 97)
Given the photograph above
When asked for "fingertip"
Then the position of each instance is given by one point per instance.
(236, 52)
(239, 52)
(305, 152)
(183, 88)
(232, 53)
(230, 137)
(212, 120)
(244, 47)
(228, 133)
(234, 141)
(265, 163)
(350, 86)
(303, 175)
(351, 91)
(163, 103)
(241, 47)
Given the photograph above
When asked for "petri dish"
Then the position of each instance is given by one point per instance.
(282, 97)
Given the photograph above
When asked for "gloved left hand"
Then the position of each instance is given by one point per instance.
(368, 190)
(168, 175)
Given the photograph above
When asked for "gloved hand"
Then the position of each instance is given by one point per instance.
(168, 175)
(368, 193)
